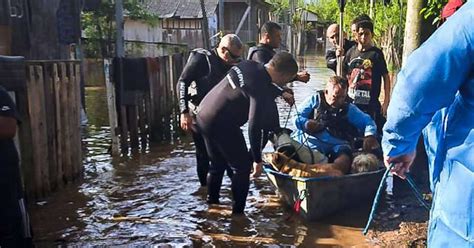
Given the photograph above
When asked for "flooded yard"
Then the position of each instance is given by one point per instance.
(154, 198)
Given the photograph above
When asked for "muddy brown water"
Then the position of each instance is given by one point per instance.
(154, 198)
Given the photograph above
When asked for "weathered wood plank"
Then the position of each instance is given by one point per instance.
(112, 107)
(50, 111)
(38, 130)
(67, 162)
(142, 121)
(60, 137)
(123, 130)
(132, 116)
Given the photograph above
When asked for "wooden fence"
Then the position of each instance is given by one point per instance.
(139, 116)
(49, 138)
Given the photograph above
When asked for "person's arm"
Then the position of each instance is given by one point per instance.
(195, 68)
(256, 108)
(8, 116)
(428, 82)
(362, 121)
(387, 86)
(305, 110)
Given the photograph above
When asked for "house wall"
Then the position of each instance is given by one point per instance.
(176, 31)
(233, 13)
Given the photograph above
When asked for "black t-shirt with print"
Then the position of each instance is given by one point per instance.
(364, 71)
(8, 153)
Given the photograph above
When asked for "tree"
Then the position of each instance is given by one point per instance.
(99, 25)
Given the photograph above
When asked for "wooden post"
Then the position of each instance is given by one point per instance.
(112, 107)
(39, 131)
(60, 137)
(132, 116)
(65, 117)
(50, 110)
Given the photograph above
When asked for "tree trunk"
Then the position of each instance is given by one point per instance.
(413, 25)
(205, 27)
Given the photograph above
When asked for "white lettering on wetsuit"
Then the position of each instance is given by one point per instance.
(240, 76)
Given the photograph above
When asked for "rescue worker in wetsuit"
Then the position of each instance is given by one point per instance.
(335, 51)
(270, 39)
(240, 97)
(14, 222)
(434, 96)
(204, 68)
(328, 123)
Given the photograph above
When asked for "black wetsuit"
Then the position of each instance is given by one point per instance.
(240, 97)
(14, 223)
(331, 59)
(263, 53)
(206, 69)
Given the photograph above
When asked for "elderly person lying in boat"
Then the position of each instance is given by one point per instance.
(329, 123)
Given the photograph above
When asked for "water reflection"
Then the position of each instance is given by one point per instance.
(154, 198)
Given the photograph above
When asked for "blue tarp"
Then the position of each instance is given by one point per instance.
(434, 94)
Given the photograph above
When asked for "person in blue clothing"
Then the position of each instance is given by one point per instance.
(328, 123)
(434, 95)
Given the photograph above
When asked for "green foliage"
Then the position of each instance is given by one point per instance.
(433, 10)
(99, 25)
(280, 8)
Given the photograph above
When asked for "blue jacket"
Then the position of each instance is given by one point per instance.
(357, 118)
(435, 92)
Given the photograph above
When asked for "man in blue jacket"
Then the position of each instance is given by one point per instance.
(435, 94)
(328, 123)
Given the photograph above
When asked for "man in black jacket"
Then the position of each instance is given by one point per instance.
(270, 39)
(204, 68)
(14, 222)
(240, 97)
(335, 51)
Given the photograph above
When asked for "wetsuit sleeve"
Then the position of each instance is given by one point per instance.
(305, 110)
(196, 67)
(429, 82)
(256, 114)
(361, 121)
(331, 61)
(7, 106)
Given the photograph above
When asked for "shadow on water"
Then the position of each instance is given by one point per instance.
(154, 198)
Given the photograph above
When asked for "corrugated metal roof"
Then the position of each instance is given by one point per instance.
(184, 9)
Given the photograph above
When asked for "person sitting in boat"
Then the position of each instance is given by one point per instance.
(329, 123)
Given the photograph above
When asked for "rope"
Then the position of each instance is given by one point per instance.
(410, 181)
(416, 192)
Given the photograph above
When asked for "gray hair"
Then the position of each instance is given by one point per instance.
(231, 40)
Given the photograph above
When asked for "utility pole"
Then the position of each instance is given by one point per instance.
(291, 27)
(205, 26)
(119, 49)
(221, 16)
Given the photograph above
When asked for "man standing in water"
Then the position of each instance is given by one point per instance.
(240, 97)
(14, 221)
(434, 94)
(204, 68)
(270, 39)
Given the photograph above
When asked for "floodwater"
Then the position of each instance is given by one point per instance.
(153, 198)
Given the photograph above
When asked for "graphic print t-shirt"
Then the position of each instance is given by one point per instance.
(364, 70)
